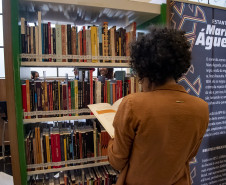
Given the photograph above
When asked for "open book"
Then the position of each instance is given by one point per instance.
(105, 113)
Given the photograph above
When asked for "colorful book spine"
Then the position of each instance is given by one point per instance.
(94, 44)
(73, 41)
(39, 36)
(105, 40)
(58, 42)
(64, 41)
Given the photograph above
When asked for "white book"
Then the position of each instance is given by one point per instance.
(105, 113)
(98, 91)
(88, 44)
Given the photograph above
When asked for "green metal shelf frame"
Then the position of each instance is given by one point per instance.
(17, 89)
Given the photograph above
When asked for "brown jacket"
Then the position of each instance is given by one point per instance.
(157, 133)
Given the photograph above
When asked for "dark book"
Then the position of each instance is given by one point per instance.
(62, 144)
(39, 95)
(49, 40)
(69, 47)
(54, 42)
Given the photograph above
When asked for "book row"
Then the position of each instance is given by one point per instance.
(69, 40)
(102, 175)
(46, 143)
(57, 95)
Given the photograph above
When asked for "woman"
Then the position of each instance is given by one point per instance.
(158, 131)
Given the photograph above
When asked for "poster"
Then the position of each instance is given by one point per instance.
(205, 29)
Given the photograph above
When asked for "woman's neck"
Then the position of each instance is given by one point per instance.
(150, 86)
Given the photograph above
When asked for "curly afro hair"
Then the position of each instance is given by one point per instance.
(161, 54)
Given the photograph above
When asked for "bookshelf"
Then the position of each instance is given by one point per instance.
(139, 12)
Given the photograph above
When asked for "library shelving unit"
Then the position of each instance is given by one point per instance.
(77, 12)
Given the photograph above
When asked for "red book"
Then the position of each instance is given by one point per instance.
(69, 96)
(55, 148)
(64, 41)
(81, 48)
(119, 88)
(91, 85)
(49, 39)
(84, 41)
(80, 145)
(24, 98)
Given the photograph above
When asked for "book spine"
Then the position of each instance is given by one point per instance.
(69, 41)
(72, 96)
(77, 44)
(49, 40)
(58, 42)
(84, 41)
(76, 95)
(39, 36)
(32, 40)
(88, 44)
(100, 43)
(73, 42)
(94, 42)
(105, 40)
(64, 41)
(24, 98)
(46, 40)
(28, 97)
(91, 86)
(48, 150)
(98, 92)
(69, 96)
(80, 45)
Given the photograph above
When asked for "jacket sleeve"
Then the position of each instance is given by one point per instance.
(125, 125)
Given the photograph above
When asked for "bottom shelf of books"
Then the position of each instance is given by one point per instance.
(104, 175)
(70, 147)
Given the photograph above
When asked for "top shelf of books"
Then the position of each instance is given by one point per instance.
(80, 12)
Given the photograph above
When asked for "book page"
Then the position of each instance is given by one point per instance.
(105, 113)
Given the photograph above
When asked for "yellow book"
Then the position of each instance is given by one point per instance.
(76, 95)
(120, 48)
(65, 149)
(48, 150)
(94, 44)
